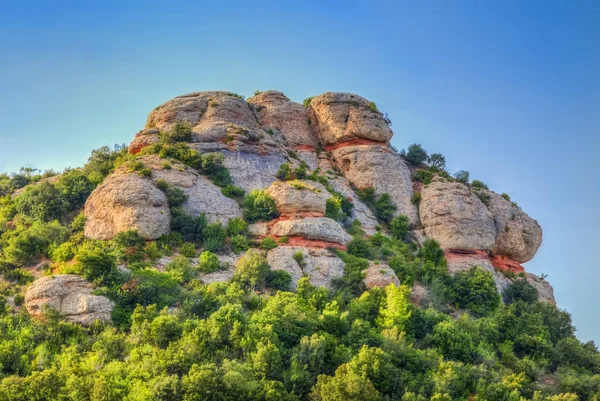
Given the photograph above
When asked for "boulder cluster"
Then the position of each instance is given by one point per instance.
(339, 134)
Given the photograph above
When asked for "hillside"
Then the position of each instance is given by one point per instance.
(262, 249)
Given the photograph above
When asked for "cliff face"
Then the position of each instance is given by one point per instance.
(339, 135)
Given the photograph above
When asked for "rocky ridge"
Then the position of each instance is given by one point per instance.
(340, 136)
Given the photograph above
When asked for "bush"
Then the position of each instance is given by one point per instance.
(258, 206)
(268, 243)
(385, 208)
(209, 262)
(285, 172)
(181, 132)
(416, 155)
(333, 209)
(475, 290)
(236, 226)
(479, 185)
(437, 160)
(423, 176)
(306, 102)
(279, 280)
(180, 269)
(431, 251)
(239, 243)
(505, 196)
(233, 192)
(252, 269)
(75, 188)
(520, 290)
(95, 263)
(416, 198)
(188, 250)
(462, 176)
(214, 237)
(359, 247)
(41, 202)
(399, 227)
(191, 228)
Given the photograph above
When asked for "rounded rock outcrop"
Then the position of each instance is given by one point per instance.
(312, 228)
(343, 116)
(320, 265)
(299, 196)
(455, 217)
(518, 235)
(277, 114)
(125, 201)
(71, 296)
(379, 275)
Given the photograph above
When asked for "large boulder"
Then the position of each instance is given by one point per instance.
(312, 228)
(455, 217)
(380, 168)
(212, 116)
(379, 275)
(277, 114)
(518, 235)
(71, 296)
(544, 289)
(251, 170)
(142, 139)
(126, 201)
(299, 196)
(343, 116)
(320, 265)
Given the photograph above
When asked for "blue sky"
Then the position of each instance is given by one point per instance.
(507, 90)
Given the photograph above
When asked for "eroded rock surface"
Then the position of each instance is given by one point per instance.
(455, 217)
(299, 196)
(320, 265)
(518, 235)
(545, 290)
(312, 228)
(344, 116)
(379, 275)
(126, 201)
(71, 296)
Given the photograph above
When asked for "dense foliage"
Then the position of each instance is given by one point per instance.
(175, 338)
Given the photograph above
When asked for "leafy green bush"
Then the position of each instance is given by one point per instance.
(424, 176)
(180, 269)
(209, 262)
(416, 155)
(95, 263)
(306, 102)
(431, 251)
(181, 132)
(385, 208)
(462, 176)
(41, 202)
(285, 172)
(268, 243)
(189, 227)
(437, 161)
(279, 280)
(416, 198)
(214, 237)
(478, 185)
(239, 243)
(236, 226)
(252, 270)
(399, 227)
(188, 250)
(233, 192)
(474, 289)
(258, 206)
(359, 247)
(520, 290)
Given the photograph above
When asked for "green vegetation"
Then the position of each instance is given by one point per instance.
(462, 176)
(478, 185)
(181, 132)
(382, 206)
(399, 227)
(437, 161)
(258, 206)
(306, 102)
(416, 155)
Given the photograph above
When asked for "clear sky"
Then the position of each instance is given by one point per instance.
(508, 90)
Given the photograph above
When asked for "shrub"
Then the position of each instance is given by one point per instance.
(189, 227)
(520, 290)
(299, 258)
(475, 289)
(180, 269)
(431, 251)
(359, 247)
(333, 209)
(416, 155)
(423, 176)
(399, 227)
(306, 102)
(268, 243)
(239, 243)
(236, 226)
(152, 252)
(188, 250)
(41, 202)
(437, 160)
(252, 269)
(301, 172)
(214, 237)
(95, 263)
(162, 185)
(259, 206)
(385, 208)
(479, 185)
(416, 198)
(373, 107)
(285, 172)
(233, 192)
(505, 196)
(462, 176)
(279, 280)
(74, 187)
(209, 262)
(181, 132)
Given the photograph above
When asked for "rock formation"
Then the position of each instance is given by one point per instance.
(339, 137)
(71, 296)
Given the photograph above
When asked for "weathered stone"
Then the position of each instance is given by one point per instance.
(258, 229)
(518, 236)
(545, 290)
(320, 265)
(458, 263)
(142, 139)
(455, 217)
(313, 228)
(212, 116)
(379, 167)
(379, 275)
(252, 171)
(419, 295)
(344, 116)
(299, 196)
(125, 201)
(276, 113)
(71, 296)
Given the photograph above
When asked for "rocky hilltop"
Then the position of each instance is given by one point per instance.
(262, 249)
(337, 138)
